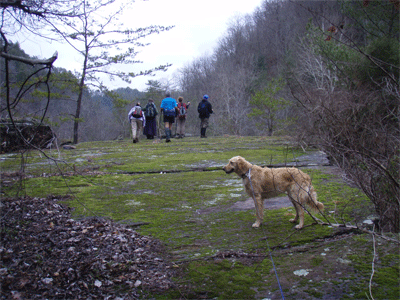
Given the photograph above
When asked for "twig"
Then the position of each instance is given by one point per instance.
(373, 264)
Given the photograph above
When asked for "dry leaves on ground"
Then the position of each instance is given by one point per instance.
(47, 254)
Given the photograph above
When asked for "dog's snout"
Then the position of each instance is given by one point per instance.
(228, 169)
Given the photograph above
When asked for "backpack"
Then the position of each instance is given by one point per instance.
(169, 112)
(182, 111)
(137, 112)
(150, 111)
(203, 110)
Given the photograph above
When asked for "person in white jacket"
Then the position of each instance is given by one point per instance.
(138, 121)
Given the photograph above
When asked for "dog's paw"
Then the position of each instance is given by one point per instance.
(298, 226)
(292, 220)
(256, 224)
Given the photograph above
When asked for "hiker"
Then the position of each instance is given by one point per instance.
(169, 110)
(150, 113)
(137, 120)
(205, 110)
(181, 120)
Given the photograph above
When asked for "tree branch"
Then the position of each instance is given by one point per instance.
(17, 4)
(29, 61)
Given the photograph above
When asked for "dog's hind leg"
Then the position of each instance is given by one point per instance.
(258, 203)
(312, 199)
(299, 213)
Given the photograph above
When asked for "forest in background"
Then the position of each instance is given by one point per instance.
(323, 72)
(264, 64)
(103, 117)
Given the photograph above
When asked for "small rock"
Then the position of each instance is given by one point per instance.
(344, 261)
(368, 222)
(69, 147)
(47, 280)
(301, 272)
(138, 283)
(98, 283)
(3, 271)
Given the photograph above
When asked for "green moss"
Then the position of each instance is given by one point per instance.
(153, 156)
(316, 261)
(386, 277)
(225, 279)
(192, 213)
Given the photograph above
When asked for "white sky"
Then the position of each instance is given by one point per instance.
(198, 27)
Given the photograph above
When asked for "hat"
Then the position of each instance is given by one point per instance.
(205, 97)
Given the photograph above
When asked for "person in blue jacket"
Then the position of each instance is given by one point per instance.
(205, 110)
(169, 109)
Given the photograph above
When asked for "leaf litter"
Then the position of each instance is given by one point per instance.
(47, 254)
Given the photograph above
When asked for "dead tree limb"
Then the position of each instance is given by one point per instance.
(29, 61)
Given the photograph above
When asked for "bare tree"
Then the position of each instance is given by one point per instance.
(349, 88)
(98, 35)
(25, 16)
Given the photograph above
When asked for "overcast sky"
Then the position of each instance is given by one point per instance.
(198, 27)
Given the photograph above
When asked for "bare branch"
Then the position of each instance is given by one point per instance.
(29, 61)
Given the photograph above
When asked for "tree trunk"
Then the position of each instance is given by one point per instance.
(78, 111)
(79, 101)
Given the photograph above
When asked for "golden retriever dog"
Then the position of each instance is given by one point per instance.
(263, 183)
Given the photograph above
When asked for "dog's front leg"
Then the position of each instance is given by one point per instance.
(294, 220)
(258, 203)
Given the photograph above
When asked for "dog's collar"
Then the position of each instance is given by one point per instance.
(247, 174)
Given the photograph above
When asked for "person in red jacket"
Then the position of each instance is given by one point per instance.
(182, 112)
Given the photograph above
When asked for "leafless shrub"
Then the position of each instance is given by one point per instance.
(359, 130)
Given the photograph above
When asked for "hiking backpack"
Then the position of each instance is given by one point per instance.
(150, 111)
(169, 112)
(137, 112)
(182, 111)
(203, 110)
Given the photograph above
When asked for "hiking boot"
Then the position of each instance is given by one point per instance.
(168, 135)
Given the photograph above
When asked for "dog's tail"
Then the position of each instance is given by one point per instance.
(312, 199)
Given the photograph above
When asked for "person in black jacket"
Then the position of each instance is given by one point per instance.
(205, 110)
(150, 112)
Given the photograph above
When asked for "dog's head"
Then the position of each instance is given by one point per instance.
(238, 165)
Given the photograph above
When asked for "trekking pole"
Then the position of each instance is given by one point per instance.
(159, 125)
(176, 124)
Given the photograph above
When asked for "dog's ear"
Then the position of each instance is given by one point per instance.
(239, 164)
(233, 159)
